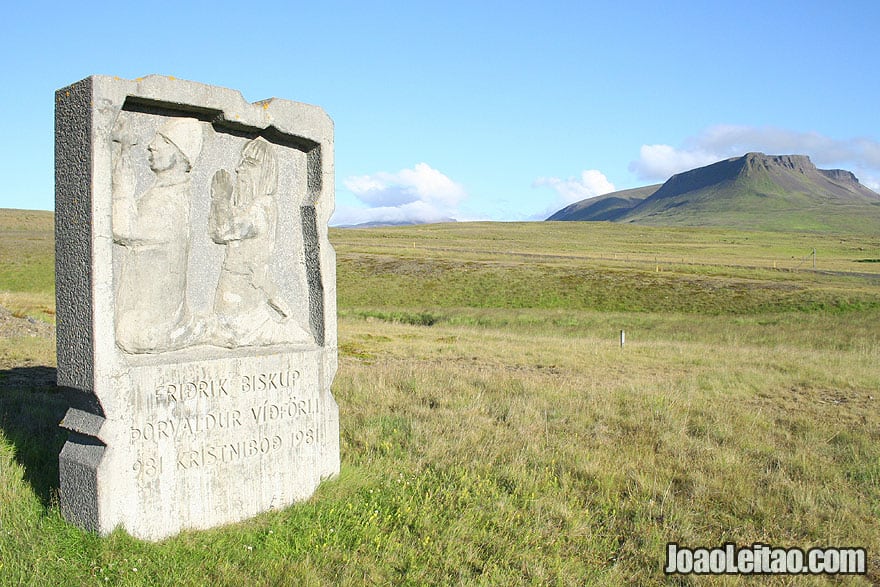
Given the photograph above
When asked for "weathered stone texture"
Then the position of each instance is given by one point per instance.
(196, 303)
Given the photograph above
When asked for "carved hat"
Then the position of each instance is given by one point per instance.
(186, 135)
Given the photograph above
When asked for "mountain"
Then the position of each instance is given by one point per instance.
(758, 191)
(608, 207)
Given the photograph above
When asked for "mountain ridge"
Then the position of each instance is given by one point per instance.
(775, 192)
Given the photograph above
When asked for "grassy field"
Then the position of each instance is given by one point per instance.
(495, 432)
(27, 263)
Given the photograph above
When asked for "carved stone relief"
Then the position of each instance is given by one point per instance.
(248, 307)
(196, 296)
(154, 232)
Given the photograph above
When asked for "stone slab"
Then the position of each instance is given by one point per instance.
(196, 304)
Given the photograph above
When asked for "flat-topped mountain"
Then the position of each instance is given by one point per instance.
(767, 192)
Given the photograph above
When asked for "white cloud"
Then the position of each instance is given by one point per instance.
(420, 194)
(590, 184)
(413, 212)
(663, 161)
(871, 181)
(659, 162)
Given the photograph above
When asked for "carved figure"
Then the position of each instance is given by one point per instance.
(248, 306)
(153, 233)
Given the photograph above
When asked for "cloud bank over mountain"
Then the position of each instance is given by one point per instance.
(422, 194)
(659, 162)
(417, 195)
(591, 183)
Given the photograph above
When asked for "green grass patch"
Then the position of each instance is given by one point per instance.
(494, 432)
(375, 281)
(27, 247)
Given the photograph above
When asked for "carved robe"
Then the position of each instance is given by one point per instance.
(152, 314)
(248, 305)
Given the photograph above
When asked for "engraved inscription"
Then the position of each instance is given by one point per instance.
(198, 416)
(181, 427)
(268, 381)
(148, 468)
(178, 392)
(293, 409)
(229, 386)
(187, 427)
(227, 453)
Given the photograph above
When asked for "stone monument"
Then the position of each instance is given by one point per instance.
(196, 304)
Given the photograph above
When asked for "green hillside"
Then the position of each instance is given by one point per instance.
(756, 192)
(608, 207)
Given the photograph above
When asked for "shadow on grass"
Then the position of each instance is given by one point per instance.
(31, 406)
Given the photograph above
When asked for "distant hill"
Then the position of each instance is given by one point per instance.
(389, 223)
(757, 191)
(608, 207)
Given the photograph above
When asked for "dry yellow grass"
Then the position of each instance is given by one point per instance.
(615, 452)
(490, 440)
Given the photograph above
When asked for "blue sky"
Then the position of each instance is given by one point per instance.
(478, 110)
